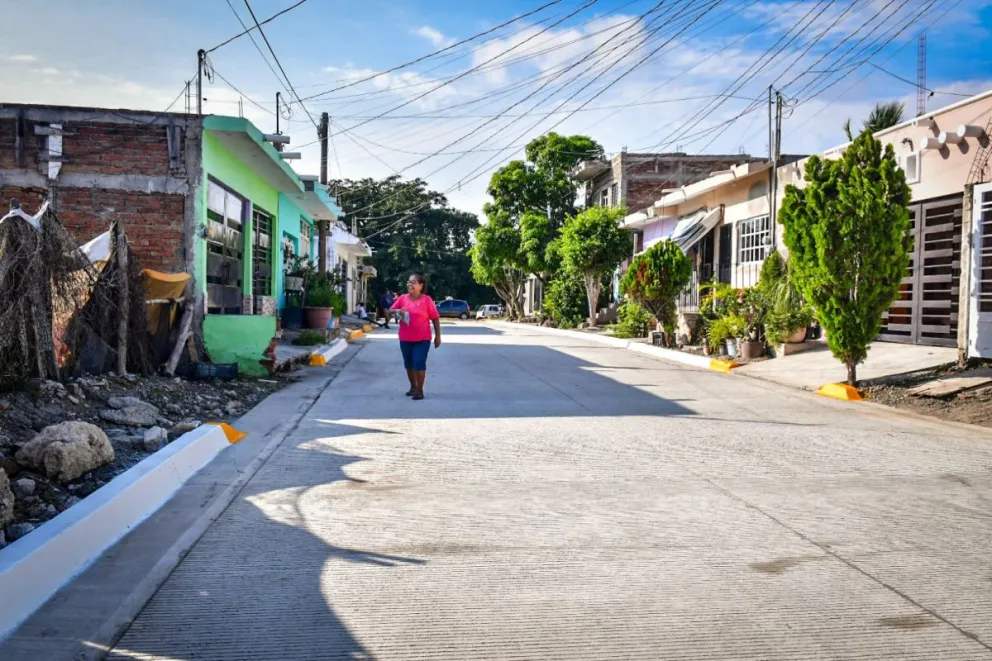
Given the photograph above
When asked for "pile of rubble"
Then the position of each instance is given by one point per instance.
(61, 442)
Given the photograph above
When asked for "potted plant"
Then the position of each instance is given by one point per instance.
(752, 312)
(723, 332)
(788, 316)
(318, 301)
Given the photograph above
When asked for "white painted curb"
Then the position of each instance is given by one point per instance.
(323, 355)
(671, 355)
(34, 567)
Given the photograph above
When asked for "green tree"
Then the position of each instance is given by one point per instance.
(432, 240)
(538, 194)
(496, 261)
(849, 244)
(655, 278)
(593, 244)
(882, 116)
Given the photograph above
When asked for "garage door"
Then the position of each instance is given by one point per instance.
(926, 311)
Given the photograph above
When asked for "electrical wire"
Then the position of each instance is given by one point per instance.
(258, 25)
(257, 47)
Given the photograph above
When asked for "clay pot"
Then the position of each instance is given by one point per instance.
(318, 317)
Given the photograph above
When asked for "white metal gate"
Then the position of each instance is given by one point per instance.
(980, 315)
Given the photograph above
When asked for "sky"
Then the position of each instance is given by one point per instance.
(641, 75)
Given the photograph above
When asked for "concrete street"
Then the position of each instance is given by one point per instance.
(557, 499)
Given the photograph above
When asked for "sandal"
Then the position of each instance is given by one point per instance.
(418, 395)
(411, 392)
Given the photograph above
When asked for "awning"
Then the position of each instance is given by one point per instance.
(694, 227)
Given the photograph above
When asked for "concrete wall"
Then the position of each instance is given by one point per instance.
(290, 229)
(117, 165)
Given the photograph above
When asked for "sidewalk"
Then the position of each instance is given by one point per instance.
(86, 616)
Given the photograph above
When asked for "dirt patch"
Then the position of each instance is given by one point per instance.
(780, 565)
(908, 622)
(181, 406)
(971, 406)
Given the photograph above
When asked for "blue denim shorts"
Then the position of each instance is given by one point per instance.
(415, 355)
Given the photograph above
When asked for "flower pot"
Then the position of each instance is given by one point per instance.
(319, 317)
(292, 317)
(731, 346)
(798, 336)
(752, 349)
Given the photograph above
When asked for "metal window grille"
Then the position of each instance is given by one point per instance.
(261, 253)
(225, 250)
(614, 195)
(983, 254)
(752, 235)
(306, 238)
(604, 197)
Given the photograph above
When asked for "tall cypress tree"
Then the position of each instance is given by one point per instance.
(848, 236)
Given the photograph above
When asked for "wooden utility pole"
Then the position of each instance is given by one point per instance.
(124, 291)
(200, 56)
(322, 130)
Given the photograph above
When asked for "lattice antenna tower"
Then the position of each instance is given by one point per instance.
(921, 75)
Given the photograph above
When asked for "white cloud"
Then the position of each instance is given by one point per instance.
(434, 36)
(22, 58)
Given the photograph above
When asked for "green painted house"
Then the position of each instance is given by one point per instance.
(251, 206)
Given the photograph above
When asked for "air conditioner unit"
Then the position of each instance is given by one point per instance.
(910, 164)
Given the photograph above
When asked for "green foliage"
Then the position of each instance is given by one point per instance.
(593, 244)
(655, 278)
(308, 338)
(787, 310)
(633, 320)
(849, 243)
(319, 296)
(728, 327)
(432, 240)
(565, 300)
(496, 261)
(882, 116)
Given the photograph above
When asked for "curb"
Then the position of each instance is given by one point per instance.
(321, 356)
(355, 335)
(36, 566)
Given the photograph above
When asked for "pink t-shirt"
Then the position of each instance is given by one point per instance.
(422, 311)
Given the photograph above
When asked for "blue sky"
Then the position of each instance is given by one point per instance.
(137, 53)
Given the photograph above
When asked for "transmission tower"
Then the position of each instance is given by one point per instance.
(921, 75)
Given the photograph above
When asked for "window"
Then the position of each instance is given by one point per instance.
(752, 235)
(306, 238)
(604, 197)
(614, 195)
(261, 253)
(910, 164)
(225, 249)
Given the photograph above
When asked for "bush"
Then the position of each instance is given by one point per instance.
(319, 297)
(787, 310)
(655, 279)
(309, 338)
(565, 300)
(633, 321)
(729, 327)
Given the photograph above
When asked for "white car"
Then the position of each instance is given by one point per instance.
(485, 311)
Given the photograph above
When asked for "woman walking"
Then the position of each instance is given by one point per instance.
(416, 311)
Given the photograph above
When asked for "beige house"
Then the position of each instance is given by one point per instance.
(726, 224)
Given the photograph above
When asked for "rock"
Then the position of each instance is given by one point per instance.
(17, 530)
(8, 465)
(69, 502)
(154, 439)
(184, 427)
(52, 389)
(4, 405)
(137, 415)
(217, 413)
(74, 399)
(67, 450)
(175, 409)
(24, 487)
(50, 510)
(6, 501)
(126, 402)
(233, 407)
(3, 539)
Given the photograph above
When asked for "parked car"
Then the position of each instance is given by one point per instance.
(490, 310)
(454, 308)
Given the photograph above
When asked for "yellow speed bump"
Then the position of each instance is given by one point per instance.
(355, 335)
(232, 434)
(840, 391)
(316, 360)
(723, 366)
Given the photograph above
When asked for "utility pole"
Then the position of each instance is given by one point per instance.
(278, 112)
(322, 131)
(200, 56)
(776, 156)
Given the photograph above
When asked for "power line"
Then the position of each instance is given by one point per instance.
(255, 44)
(258, 26)
(927, 89)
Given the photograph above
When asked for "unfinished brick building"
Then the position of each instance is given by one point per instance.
(637, 180)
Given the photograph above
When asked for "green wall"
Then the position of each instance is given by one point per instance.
(289, 225)
(240, 339)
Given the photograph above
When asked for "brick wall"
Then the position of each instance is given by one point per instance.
(153, 221)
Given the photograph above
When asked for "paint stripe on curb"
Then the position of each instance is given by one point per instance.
(34, 567)
(321, 356)
(355, 335)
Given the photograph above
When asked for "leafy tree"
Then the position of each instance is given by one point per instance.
(883, 116)
(564, 299)
(655, 278)
(632, 320)
(496, 261)
(593, 244)
(848, 237)
(432, 240)
(538, 194)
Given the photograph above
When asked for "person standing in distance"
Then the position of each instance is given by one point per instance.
(385, 303)
(416, 312)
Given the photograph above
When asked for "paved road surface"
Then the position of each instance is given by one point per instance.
(553, 499)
